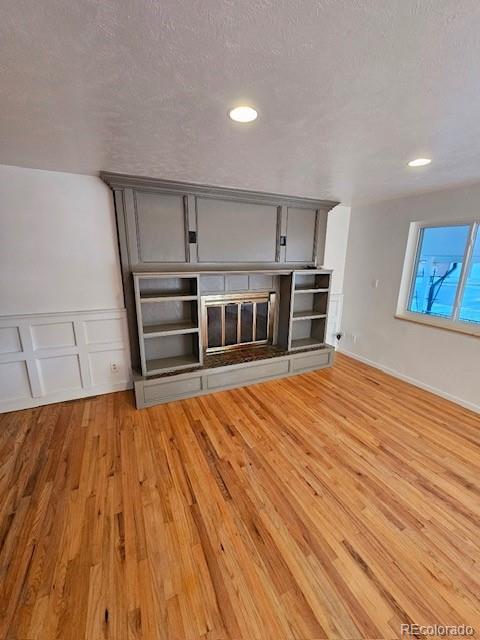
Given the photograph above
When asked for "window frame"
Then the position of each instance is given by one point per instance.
(410, 265)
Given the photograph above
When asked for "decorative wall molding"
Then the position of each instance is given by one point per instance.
(126, 181)
(49, 358)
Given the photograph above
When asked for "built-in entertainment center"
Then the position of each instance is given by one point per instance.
(222, 286)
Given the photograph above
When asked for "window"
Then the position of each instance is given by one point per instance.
(441, 280)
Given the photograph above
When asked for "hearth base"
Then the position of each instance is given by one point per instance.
(229, 370)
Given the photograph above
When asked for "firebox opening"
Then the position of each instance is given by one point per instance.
(231, 321)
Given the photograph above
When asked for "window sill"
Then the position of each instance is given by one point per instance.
(439, 323)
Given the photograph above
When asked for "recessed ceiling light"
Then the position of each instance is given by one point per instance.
(243, 114)
(419, 162)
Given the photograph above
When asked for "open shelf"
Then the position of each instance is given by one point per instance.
(171, 351)
(160, 365)
(312, 304)
(165, 297)
(305, 343)
(309, 281)
(171, 328)
(308, 333)
(168, 326)
(153, 288)
(307, 315)
(310, 290)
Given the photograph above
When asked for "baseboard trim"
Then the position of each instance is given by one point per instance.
(417, 383)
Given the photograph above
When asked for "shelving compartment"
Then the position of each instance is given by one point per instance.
(156, 288)
(308, 333)
(168, 322)
(310, 305)
(311, 282)
(171, 352)
(174, 316)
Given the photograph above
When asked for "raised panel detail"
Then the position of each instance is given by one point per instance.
(10, 340)
(14, 381)
(104, 330)
(101, 366)
(313, 361)
(161, 233)
(236, 282)
(232, 232)
(173, 389)
(59, 373)
(300, 234)
(211, 284)
(247, 374)
(260, 281)
(53, 334)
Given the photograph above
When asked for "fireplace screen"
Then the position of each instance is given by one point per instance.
(231, 321)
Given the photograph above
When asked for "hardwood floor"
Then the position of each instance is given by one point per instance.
(337, 504)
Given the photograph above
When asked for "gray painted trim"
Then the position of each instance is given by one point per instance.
(125, 261)
(320, 236)
(123, 181)
(296, 364)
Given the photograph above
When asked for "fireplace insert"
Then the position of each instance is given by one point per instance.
(233, 321)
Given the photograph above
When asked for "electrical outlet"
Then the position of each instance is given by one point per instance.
(354, 338)
(114, 367)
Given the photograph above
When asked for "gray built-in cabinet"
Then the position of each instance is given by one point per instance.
(236, 232)
(168, 223)
(167, 227)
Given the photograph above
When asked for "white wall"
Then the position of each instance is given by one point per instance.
(443, 361)
(60, 280)
(57, 244)
(335, 255)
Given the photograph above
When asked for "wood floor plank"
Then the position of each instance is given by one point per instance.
(336, 504)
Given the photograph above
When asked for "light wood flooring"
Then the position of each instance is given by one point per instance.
(337, 504)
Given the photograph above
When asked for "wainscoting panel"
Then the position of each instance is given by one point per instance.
(54, 357)
(10, 340)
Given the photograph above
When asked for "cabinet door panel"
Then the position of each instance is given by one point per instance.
(300, 234)
(236, 231)
(160, 227)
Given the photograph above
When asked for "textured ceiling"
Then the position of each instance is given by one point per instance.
(347, 91)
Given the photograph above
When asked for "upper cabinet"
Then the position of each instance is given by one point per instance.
(173, 223)
(235, 232)
(301, 234)
(160, 227)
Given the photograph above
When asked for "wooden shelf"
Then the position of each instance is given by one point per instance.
(305, 343)
(173, 328)
(166, 297)
(160, 365)
(310, 290)
(307, 315)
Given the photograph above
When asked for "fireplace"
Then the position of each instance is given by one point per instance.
(233, 321)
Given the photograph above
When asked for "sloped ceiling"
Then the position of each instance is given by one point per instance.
(347, 90)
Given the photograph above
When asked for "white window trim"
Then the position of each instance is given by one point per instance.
(409, 269)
